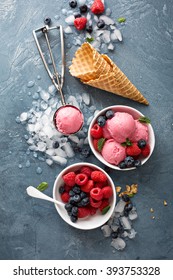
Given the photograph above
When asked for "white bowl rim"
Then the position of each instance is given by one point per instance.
(120, 107)
(66, 218)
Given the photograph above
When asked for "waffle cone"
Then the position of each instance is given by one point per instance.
(100, 71)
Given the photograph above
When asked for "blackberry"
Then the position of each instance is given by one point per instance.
(85, 201)
(74, 211)
(137, 163)
(68, 207)
(71, 193)
(114, 234)
(125, 197)
(128, 207)
(55, 145)
(122, 165)
(77, 15)
(73, 218)
(85, 152)
(89, 28)
(76, 190)
(83, 195)
(76, 198)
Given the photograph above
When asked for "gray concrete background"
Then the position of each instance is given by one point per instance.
(32, 229)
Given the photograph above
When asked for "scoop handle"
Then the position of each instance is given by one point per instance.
(31, 191)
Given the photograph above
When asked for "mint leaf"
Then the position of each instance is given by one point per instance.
(144, 120)
(100, 144)
(105, 210)
(131, 195)
(42, 186)
(89, 40)
(127, 143)
(121, 19)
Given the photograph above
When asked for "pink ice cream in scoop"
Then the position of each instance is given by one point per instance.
(121, 126)
(141, 132)
(68, 119)
(113, 152)
(106, 133)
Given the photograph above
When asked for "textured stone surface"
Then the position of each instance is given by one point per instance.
(32, 229)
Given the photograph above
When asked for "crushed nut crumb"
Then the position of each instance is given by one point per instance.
(118, 189)
(130, 190)
(151, 210)
(165, 203)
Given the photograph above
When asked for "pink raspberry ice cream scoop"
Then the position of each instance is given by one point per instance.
(121, 126)
(141, 132)
(113, 152)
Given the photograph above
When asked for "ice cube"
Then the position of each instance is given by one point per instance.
(30, 141)
(59, 160)
(70, 20)
(118, 34)
(125, 222)
(68, 30)
(106, 36)
(108, 12)
(51, 89)
(48, 131)
(114, 227)
(132, 233)
(106, 230)
(48, 111)
(96, 19)
(44, 95)
(74, 138)
(23, 117)
(111, 47)
(43, 105)
(41, 146)
(114, 37)
(133, 215)
(81, 2)
(107, 20)
(89, 120)
(120, 206)
(118, 243)
(30, 127)
(49, 161)
(72, 100)
(60, 152)
(50, 152)
(68, 149)
(86, 98)
(64, 12)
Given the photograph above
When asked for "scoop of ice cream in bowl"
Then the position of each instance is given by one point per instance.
(88, 194)
(121, 137)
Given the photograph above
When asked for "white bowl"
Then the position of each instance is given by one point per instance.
(135, 114)
(89, 222)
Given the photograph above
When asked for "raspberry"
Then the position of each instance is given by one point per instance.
(133, 150)
(83, 212)
(65, 197)
(88, 186)
(105, 202)
(97, 7)
(94, 203)
(92, 210)
(69, 179)
(80, 23)
(145, 151)
(96, 193)
(99, 185)
(107, 192)
(96, 131)
(86, 170)
(98, 176)
(67, 188)
(81, 179)
(95, 144)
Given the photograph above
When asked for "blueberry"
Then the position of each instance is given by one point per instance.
(68, 207)
(83, 195)
(128, 207)
(74, 211)
(89, 28)
(76, 190)
(85, 152)
(129, 161)
(83, 9)
(141, 143)
(73, 218)
(73, 3)
(76, 198)
(77, 15)
(47, 20)
(55, 145)
(101, 120)
(71, 193)
(61, 189)
(85, 201)
(100, 23)
(72, 201)
(137, 163)
(114, 234)
(125, 197)
(109, 114)
(122, 165)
